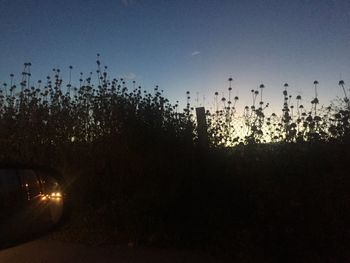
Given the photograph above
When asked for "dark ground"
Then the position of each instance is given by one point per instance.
(45, 250)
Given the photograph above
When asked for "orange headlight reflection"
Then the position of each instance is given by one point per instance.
(52, 196)
(56, 194)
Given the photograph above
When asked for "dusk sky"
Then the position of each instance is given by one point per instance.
(185, 45)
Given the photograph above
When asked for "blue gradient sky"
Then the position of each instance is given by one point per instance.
(185, 45)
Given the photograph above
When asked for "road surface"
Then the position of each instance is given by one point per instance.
(50, 251)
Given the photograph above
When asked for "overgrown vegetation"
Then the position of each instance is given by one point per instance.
(297, 123)
(133, 167)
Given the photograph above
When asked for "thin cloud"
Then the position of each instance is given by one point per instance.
(129, 76)
(195, 53)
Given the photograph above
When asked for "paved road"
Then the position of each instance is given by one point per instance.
(49, 251)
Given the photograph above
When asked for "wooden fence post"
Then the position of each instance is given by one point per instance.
(202, 128)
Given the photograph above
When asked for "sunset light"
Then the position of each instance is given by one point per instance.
(174, 131)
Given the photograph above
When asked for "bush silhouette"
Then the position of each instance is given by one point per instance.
(133, 165)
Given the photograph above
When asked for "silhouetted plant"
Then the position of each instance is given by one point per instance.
(295, 124)
(46, 115)
(131, 160)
